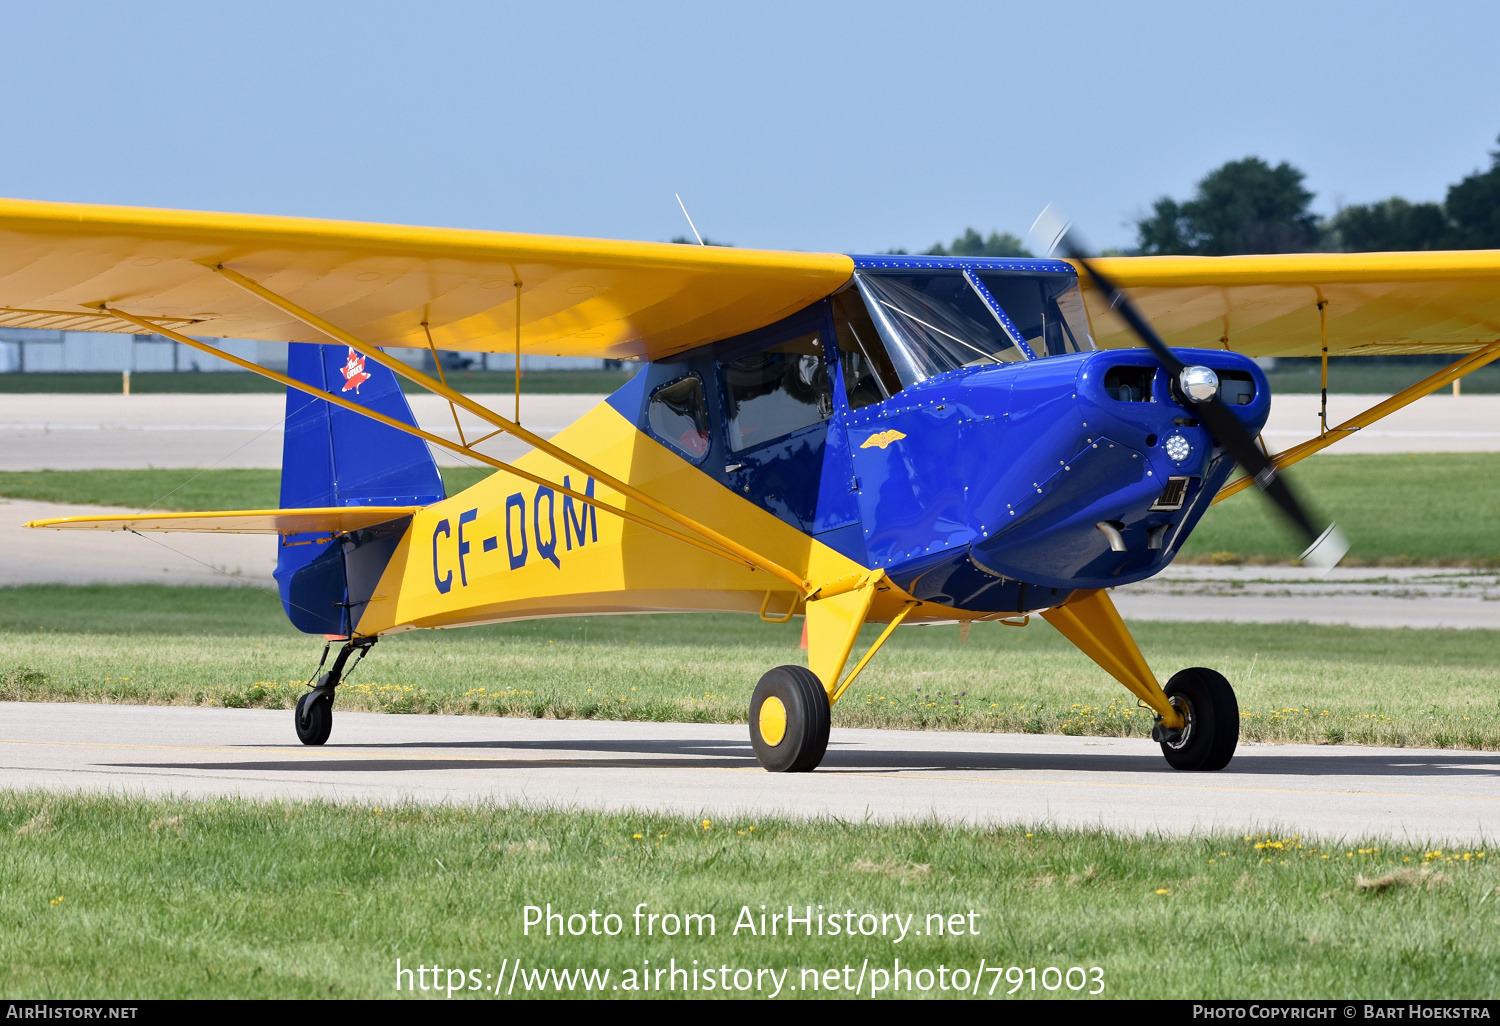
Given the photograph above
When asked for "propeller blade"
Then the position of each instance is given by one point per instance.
(1325, 548)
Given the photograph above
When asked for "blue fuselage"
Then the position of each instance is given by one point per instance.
(994, 488)
(1004, 476)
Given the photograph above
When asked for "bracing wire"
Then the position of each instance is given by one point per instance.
(221, 459)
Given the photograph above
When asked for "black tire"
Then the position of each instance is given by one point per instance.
(1213, 713)
(314, 718)
(804, 706)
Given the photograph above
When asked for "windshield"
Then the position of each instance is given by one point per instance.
(869, 375)
(1047, 310)
(934, 322)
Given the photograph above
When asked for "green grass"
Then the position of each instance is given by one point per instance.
(142, 489)
(1398, 510)
(153, 644)
(600, 382)
(107, 897)
(172, 489)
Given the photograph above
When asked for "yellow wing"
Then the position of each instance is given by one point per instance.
(588, 297)
(1445, 302)
(333, 519)
(579, 297)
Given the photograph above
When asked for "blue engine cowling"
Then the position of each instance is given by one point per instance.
(993, 496)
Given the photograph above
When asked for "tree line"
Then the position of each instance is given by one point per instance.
(1249, 206)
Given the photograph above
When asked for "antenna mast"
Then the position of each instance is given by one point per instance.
(690, 220)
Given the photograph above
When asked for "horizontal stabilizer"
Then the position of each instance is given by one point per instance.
(332, 520)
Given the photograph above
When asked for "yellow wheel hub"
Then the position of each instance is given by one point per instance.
(772, 721)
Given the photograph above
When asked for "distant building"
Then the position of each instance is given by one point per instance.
(35, 351)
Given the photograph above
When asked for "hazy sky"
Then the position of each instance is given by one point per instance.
(806, 125)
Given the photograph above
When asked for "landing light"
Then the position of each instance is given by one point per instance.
(1198, 383)
(1178, 448)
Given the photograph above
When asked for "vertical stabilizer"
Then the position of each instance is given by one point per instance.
(335, 457)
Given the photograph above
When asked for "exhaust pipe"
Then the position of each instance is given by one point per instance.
(1111, 529)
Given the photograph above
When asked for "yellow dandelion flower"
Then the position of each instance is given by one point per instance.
(1162, 890)
(638, 837)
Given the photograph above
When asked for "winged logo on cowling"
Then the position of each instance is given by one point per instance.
(881, 439)
(354, 371)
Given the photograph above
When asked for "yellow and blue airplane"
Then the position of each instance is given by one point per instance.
(853, 440)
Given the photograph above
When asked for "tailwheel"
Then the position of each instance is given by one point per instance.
(1212, 731)
(789, 718)
(314, 715)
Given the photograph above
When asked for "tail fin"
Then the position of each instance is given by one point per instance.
(335, 457)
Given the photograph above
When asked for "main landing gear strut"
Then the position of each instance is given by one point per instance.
(314, 713)
(791, 707)
(1197, 714)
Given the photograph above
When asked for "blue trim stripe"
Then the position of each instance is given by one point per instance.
(907, 263)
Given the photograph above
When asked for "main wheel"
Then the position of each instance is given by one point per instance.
(789, 720)
(314, 717)
(1207, 702)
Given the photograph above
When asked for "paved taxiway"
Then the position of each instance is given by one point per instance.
(1329, 792)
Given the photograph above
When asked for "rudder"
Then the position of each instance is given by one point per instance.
(335, 457)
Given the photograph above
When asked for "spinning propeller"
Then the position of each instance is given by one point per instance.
(1200, 386)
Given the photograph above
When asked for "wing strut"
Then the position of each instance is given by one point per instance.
(535, 441)
(1379, 411)
(698, 542)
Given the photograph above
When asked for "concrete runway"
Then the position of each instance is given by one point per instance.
(86, 432)
(1433, 797)
(80, 432)
(1437, 423)
(1351, 596)
(110, 557)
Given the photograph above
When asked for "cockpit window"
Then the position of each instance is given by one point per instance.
(869, 375)
(1046, 309)
(777, 391)
(934, 322)
(678, 416)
